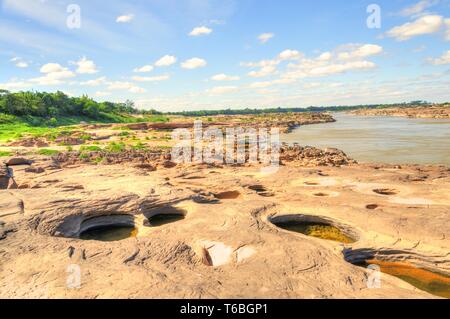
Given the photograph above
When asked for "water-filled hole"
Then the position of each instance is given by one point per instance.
(109, 233)
(108, 228)
(164, 215)
(432, 282)
(316, 227)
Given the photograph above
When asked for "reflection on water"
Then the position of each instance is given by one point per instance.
(317, 230)
(426, 280)
(380, 139)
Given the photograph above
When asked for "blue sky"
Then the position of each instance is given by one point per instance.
(208, 54)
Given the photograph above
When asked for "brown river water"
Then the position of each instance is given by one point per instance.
(380, 139)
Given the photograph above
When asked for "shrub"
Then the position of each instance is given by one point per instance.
(114, 147)
(90, 149)
(48, 152)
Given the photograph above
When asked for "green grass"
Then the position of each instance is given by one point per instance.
(90, 149)
(124, 133)
(97, 160)
(48, 152)
(139, 146)
(5, 154)
(14, 127)
(114, 147)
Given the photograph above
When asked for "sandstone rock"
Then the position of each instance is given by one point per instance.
(36, 170)
(18, 161)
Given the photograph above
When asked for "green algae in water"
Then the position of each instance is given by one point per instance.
(318, 230)
(163, 219)
(432, 282)
(110, 233)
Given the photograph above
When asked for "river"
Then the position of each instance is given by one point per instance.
(380, 139)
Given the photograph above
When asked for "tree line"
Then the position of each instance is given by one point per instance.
(48, 105)
(53, 105)
(248, 111)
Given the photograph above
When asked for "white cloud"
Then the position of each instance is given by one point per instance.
(418, 7)
(200, 31)
(362, 51)
(125, 18)
(15, 85)
(95, 82)
(51, 68)
(266, 84)
(54, 74)
(325, 56)
(193, 63)
(289, 55)
(224, 77)
(259, 85)
(144, 69)
(345, 58)
(137, 89)
(22, 64)
(18, 62)
(130, 87)
(341, 68)
(423, 25)
(222, 90)
(264, 71)
(86, 66)
(151, 78)
(263, 38)
(166, 60)
(443, 59)
(102, 93)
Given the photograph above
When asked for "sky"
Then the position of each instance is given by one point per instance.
(175, 55)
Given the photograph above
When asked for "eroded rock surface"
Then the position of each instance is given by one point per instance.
(223, 247)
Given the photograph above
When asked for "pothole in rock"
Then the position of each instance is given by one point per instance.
(261, 190)
(164, 215)
(325, 194)
(307, 183)
(108, 228)
(372, 206)
(432, 282)
(315, 226)
(426, 276)
(228, 195)
(386, 191)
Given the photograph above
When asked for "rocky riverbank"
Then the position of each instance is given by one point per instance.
(225, 243)
(434, 112)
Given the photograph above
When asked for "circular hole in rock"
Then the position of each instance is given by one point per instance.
(258, 188)
(321, 194)
(372, 206)
(385, 191)
(108, 228)
(164, 215)
(228, 195)
(315, 226)
(435, 283)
